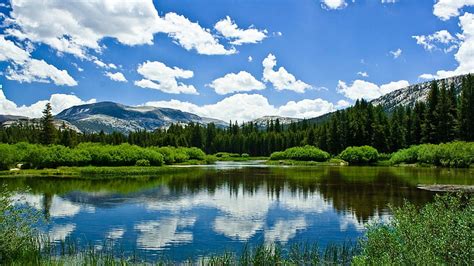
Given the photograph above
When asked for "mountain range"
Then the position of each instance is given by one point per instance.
(110, 116)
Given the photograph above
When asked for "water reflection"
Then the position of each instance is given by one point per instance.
(155, 235)
(196, 211)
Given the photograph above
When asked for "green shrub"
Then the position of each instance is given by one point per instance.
(245, 155)
(409, 155)
(278, 155)
(142, 162)
(195, 153)
(359, 155)
(18, 238)
(440, 233)
(453, 154)
(7, 157)
(306, 153)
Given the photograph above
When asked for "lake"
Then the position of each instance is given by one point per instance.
(191, 212)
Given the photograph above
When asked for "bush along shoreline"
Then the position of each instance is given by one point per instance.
(456, 154)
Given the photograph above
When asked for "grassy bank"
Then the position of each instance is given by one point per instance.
(92, 172)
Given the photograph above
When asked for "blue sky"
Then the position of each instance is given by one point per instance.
(172, 53)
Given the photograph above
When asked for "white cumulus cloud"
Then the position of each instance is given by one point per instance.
(281, 79)
(23, 68)
(230, 83)
(446, 9)
(77, 27)
(464, 54)
(246, 107)
(363, 74)
(158, 76)
(230, 30)
(59, 102)
(396, 54)
(191, 35)
(440, 38)
(117, 76)
(361, 89)
(334, 4)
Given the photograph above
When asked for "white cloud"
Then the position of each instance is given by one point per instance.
(26, 69)
(80, 25)
(77, 27)
(59, 102)
(393, 86)
(363, 74)
(9, 51)
(281, 79)
(465, 52)
(158, 76)
(427, 76)
(342, 104)
(101, 64)
(246, 107)
(389, 1)
(367, 90)
(396, 54)
(439, 38)
(445, 9)
(117, 76)
(334, 4)
(35, 70)
(230, 30)
(230, 83)
(250, 59)
(191, 35)
(306, 108)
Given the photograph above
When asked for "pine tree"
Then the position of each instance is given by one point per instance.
(430, 124)
(466, 109)
(47, 127)
(444, 119)
(417, 122)
(311, 137)
(453, 112)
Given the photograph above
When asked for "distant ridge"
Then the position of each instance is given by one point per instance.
(262, 121)
(408, 96)
(114, 117)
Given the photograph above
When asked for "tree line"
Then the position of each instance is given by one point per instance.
(443, 117)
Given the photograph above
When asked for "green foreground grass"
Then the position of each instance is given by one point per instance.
(438, 233)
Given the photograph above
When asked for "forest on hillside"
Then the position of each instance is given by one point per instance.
(444, 117)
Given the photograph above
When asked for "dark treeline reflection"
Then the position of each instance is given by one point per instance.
(363, 191)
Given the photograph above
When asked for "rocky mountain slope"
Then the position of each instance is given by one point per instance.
(10, 120)
(410, 95)
(262, 121)
(110, 116)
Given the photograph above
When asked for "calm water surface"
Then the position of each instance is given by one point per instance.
(196, 211)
